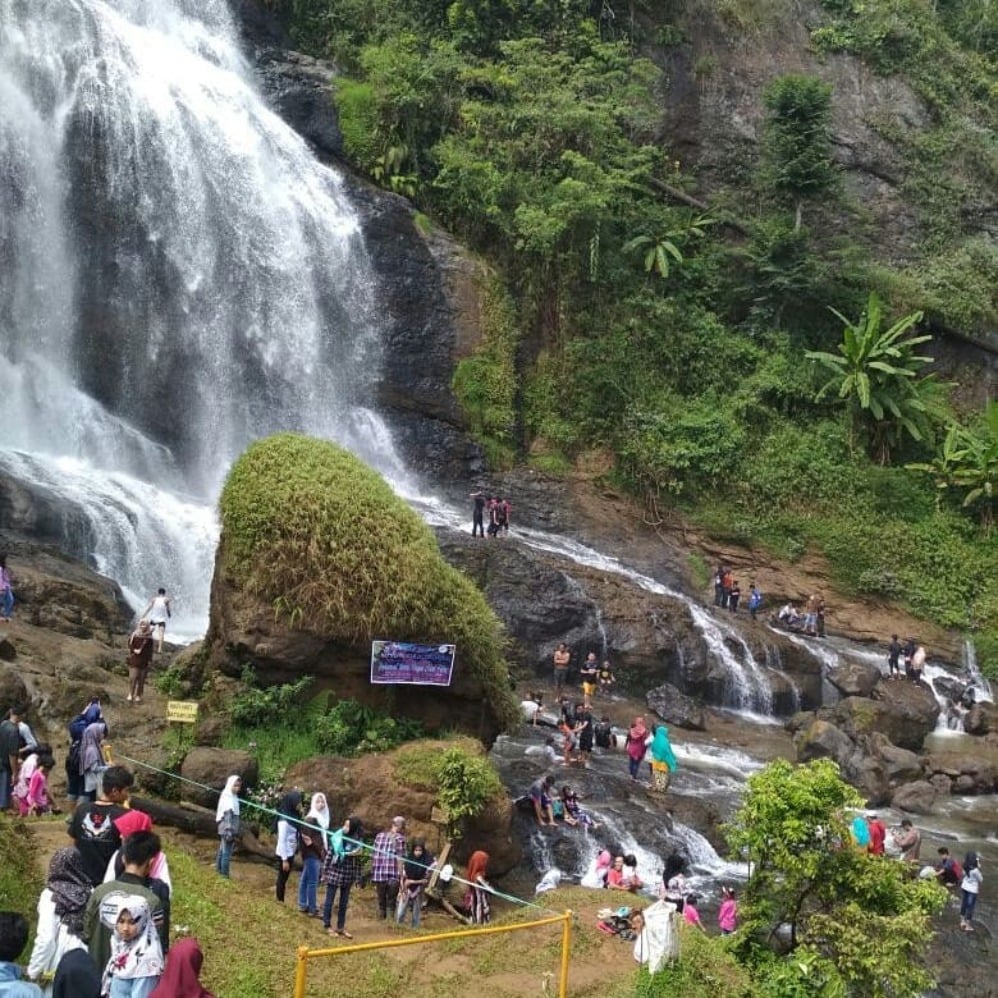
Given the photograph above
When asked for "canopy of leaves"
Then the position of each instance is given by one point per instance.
(862, 918)
(312, 528)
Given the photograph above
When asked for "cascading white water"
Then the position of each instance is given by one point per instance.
(982, 686)
(180, 276)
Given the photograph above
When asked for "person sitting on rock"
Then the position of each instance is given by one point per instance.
(603, 733)
(540, 797)
(606, 678)
(948, 871)
(621, 876)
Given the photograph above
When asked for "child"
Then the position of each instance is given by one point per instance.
(183, 970)
(415, 877)
(13, 939)
(690, 914)
(606, 679)
(727, 915)
(136, 954)
(573, 814)
(37, 801)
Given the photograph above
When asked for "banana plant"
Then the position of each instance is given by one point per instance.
(659, 249)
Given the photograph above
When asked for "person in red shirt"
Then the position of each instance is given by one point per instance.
(878, 833)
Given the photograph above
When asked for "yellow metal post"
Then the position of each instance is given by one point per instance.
(566, 943)
(301, 971)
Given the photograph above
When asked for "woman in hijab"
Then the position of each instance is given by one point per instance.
(132, 821)
(637, 737)
(289, 816)
(478, 888)
(60, 915)
(92, 762)
(312, 836)
(227, 821)
(77, 976)
(183, 969)
(139, 660)
(663, 760)
(136, 962)
(341, 868)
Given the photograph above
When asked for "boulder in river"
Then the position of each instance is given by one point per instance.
(823, 740)
(676, 708)
(916, 798)
(981, 719)
(904, 712)
(855, 679)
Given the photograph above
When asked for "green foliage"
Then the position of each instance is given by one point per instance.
(268, 705)
(862, 918)
(706, 965)
(172, 682)
(485, 383)
(351, 728)
(462, 777)
(310, 527)
(21, 879)
(798, 139)
(875, 371)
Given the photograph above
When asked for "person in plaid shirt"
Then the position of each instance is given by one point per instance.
(386, 864)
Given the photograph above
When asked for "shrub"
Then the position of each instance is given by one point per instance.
(461, 776)
(311, 528)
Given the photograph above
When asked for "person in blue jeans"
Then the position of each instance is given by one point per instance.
(312, 839)
(13, 939)
(341, 869)
(227, 820)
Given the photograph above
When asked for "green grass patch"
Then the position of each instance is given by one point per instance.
(21, 880)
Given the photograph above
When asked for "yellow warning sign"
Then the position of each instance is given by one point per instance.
(182, 711)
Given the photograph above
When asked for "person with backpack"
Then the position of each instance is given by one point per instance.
(970, 887)
(91, 714)
(949, 872)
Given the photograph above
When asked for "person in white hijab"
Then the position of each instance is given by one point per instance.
(314, 842)
(136, 953)
(227, 820)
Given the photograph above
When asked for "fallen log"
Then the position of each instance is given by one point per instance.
(197, 820)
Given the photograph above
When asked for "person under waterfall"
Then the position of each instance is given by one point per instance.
(663, 760)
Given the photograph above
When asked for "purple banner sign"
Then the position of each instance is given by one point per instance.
(417, 665)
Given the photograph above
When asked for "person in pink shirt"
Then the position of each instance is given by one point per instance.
(727, 914)
(690, 914)
(37, 799)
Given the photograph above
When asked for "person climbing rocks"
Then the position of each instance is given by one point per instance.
(478, 514)
(6, 591)
(637, 737)
(158, 612)
(139, 659)
(540, 798)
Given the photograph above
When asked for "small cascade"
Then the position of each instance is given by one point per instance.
(982, 687)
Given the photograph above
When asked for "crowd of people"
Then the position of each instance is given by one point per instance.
(493, 510)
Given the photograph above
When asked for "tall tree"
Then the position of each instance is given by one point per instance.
(797, 143)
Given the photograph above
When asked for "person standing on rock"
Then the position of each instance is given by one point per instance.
(811, 615)
(341, 869)
(478, 514)
(918, 664)
(908, 652)
(909, 841)
(726, 582)
(589, 675)
(663, 760)
(970, 887)
(754, 600)
(734, 595)
(719, 585)
(158, 612)
(894, 658)
(139, 660)
(562, 657)
(637, 736)
(878, 834)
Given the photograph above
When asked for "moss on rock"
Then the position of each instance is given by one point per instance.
(312, 529)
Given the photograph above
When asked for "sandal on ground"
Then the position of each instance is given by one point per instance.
(344, 933)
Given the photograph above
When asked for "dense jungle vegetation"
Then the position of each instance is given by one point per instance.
(753, 352)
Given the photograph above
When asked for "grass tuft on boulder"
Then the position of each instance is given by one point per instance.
(310, 527)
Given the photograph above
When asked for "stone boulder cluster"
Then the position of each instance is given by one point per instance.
(876, 733)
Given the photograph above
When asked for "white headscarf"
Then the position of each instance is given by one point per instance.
(143, 955)
(319, 811)
(227, 800)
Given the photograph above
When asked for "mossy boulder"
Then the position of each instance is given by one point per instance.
(317, 558)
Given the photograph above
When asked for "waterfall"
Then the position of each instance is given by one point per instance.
(974, 674)
(180, 276)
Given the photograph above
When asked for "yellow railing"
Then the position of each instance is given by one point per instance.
(305, 954)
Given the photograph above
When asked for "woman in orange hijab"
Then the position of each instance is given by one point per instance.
(477, 899)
